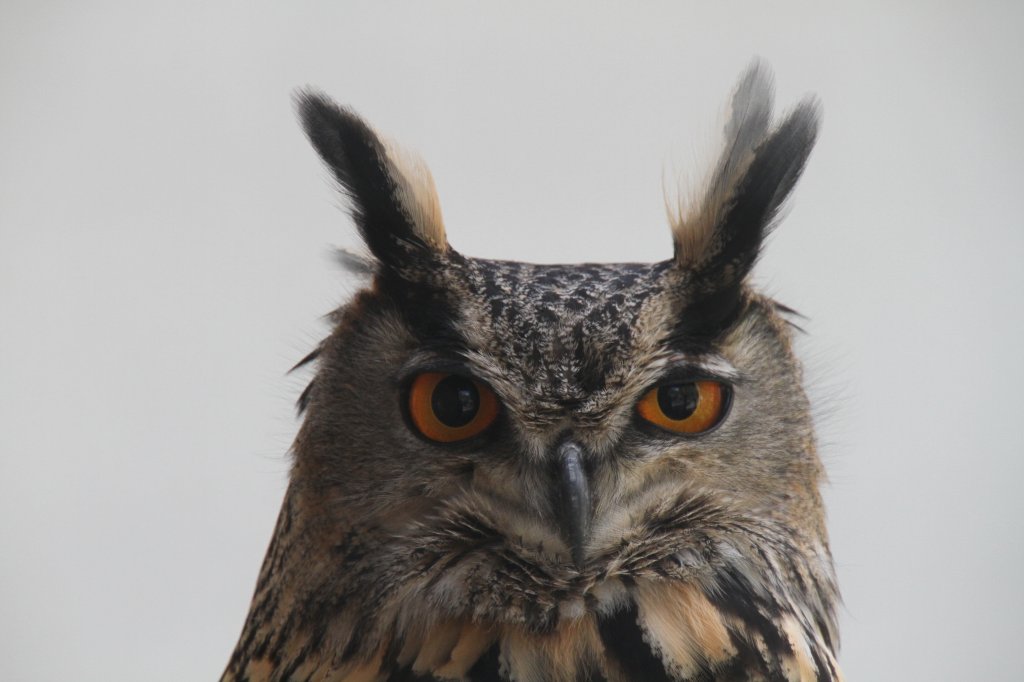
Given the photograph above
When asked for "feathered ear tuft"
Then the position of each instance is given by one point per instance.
(718, 242)
(393, 199)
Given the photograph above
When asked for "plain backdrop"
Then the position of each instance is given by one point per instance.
(165, 241)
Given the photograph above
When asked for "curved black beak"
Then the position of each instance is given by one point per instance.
(574, 503)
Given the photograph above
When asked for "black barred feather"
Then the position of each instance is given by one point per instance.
(625, 643)
(488, 667)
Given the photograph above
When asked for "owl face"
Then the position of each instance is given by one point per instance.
(555, 464)
(586, 355)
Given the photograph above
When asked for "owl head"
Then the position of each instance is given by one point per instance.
(553, 471)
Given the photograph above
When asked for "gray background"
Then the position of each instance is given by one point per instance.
(164, 259)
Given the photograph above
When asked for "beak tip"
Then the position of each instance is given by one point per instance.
(578, 557)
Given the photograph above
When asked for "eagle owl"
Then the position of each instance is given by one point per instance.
(510, 471)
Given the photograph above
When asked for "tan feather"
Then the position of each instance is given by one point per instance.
(415, 189)
(683, 625)
(559, 656)
(437, 648)
(473, 641)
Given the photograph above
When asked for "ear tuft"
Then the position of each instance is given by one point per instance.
(393, 199)
(718, 241)
(755, 173)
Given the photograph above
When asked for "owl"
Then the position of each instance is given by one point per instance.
(553, 473)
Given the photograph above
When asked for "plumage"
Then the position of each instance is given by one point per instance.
(564, 533)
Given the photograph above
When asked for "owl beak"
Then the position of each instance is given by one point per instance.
(574, 503)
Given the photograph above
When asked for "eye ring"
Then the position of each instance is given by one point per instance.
(447, 408)
(686, 407)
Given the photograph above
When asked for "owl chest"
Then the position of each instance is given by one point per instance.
(661, 631)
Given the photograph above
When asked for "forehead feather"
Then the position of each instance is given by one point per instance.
(564, 328)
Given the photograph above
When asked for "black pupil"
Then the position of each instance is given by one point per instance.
(455, 401)
(678, 401)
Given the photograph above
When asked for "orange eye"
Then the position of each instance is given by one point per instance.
(447, 407)
(685, 407)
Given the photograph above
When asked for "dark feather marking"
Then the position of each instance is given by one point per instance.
(623, 639)
(488, 667)
(592, 367)
(786, 310)
(706, 319)
(304, 398)
(736, 596)
(788, 314)
(825, 630)
(313, 355)
(826, 671)
(316, 639)
(353, 646)
(391, 653)
(747, 663)
(825, 619)
(288, 672)
(264, 599)
(427, 310)
(793, 570)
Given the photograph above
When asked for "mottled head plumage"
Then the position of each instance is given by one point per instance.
(638, 502)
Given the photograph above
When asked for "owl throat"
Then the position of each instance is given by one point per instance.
(692, 592)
